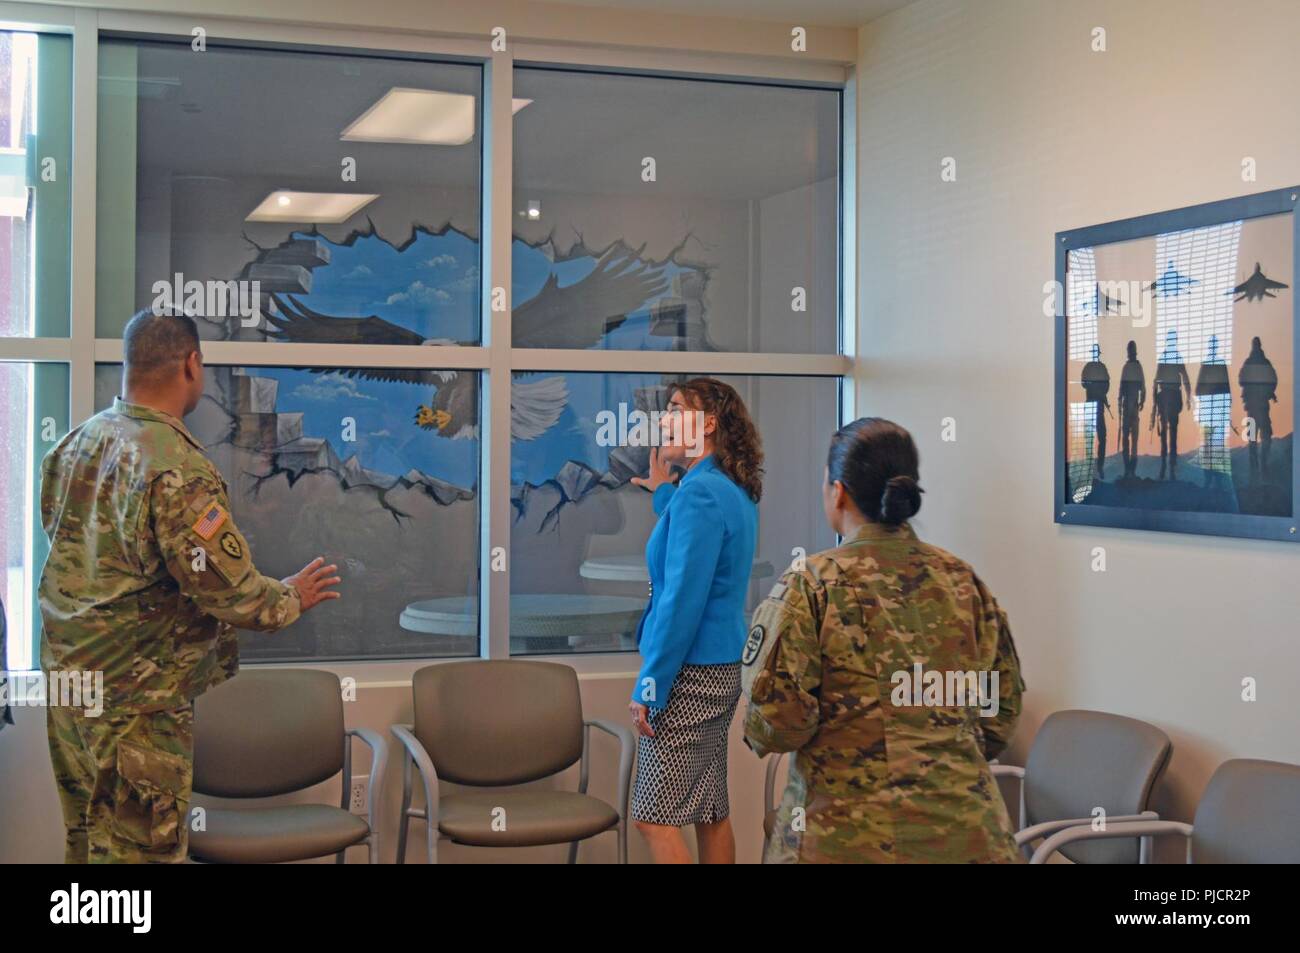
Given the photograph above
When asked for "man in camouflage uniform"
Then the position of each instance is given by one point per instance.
(146, 580)
(873, 781)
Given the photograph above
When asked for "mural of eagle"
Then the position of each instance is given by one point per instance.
(578, 315)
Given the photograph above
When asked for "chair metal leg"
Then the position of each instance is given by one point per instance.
(573, 852)
(404, 822)
(431, 832)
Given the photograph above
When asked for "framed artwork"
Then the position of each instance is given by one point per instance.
(1176, 351)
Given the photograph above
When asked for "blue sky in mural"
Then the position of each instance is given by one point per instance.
(574, 435)
(431, 288)
(387, 438)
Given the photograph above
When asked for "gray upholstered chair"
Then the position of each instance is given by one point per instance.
(1249, 814)
(1081, 761)
(489, 724)
(275, 731)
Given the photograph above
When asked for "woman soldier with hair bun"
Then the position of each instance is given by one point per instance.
(891, 761)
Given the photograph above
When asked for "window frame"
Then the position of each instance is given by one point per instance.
(495, 359)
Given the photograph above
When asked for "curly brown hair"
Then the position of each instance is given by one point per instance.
(737, 447)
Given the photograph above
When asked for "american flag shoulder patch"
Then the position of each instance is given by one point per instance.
(211, 520)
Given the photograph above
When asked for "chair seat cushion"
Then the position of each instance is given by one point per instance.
(273, 835)
(530, 818)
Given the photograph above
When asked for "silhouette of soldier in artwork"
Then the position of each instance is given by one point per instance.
(1096, 385)
(1132, 398)
(1258, 382)
(1214, 414)
(1167, 404)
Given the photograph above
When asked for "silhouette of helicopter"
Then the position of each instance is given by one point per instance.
(1257, 286)
(1171, 282)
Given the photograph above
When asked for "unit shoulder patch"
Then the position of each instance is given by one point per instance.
(231, 547)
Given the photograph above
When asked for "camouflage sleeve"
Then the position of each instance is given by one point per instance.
(998, 655)
(208, 556)
(782, 668)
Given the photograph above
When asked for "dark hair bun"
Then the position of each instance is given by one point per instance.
(901, 500)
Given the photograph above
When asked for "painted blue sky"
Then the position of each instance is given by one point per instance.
(387, 438)
(431, 288)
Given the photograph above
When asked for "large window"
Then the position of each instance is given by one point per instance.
(35, 288)
(346, 187)
(35, 183)
(579, 582)
(33, 417)
(675, 215)
(330, 462)
(324, 214)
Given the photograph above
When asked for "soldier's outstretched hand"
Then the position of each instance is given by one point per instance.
(313, 583)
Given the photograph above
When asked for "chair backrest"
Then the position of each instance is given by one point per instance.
(1083, 760)
(267, 732)
(1249, 814)
(492, 723)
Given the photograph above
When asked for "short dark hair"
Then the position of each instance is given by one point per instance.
(153, 343)
(876, 461)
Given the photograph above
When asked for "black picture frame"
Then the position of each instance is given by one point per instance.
(1069, 512)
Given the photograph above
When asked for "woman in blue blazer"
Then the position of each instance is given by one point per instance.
(693, 630)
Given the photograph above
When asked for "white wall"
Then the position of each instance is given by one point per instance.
(1049, 135)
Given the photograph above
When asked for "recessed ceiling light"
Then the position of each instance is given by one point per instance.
(327, 208)
(420, 116)
(534, 208)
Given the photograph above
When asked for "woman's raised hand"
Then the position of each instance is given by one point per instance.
(660, 472)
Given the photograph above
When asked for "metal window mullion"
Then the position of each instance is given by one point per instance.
(85, 123)
(218, 29)
(680, 362)
(37, 17)
(262, 354)
(36, 350)
(848, 313)
(494, 477)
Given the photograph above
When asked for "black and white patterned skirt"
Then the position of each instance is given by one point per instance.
(681, 773)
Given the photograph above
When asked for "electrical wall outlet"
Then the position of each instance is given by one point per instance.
(360, 793)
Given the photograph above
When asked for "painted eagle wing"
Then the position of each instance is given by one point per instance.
(580, 314)
(535, 406)
(300, 324)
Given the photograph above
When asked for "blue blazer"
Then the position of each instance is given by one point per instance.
(700, 556)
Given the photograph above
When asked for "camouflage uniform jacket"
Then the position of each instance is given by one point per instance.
(878, 775)
(147, 573)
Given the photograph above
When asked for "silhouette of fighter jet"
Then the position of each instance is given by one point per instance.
(1105, 304)
(1257, 286)
(1171, 282)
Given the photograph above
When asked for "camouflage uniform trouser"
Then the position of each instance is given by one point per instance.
(124, 781)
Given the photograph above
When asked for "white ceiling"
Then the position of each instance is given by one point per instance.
(842, 13)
